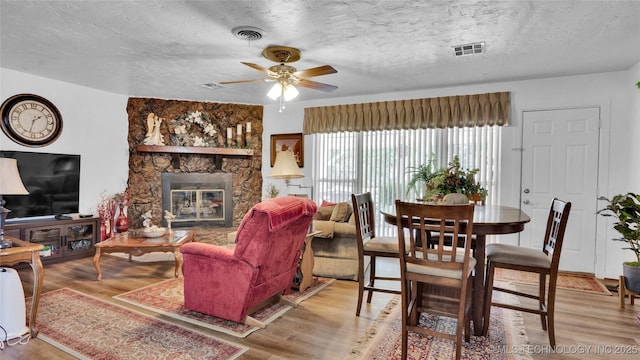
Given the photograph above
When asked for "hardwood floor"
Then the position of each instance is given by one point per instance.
(325, 326)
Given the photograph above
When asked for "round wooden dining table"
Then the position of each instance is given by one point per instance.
(487, 220)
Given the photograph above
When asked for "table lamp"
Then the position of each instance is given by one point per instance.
(10, 184)
(285, 167)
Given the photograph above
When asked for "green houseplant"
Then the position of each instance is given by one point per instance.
(446, 180)
(420, 175)
(625, 208)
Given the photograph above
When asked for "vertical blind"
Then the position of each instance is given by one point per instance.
(380, 162)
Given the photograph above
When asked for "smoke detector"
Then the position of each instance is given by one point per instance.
(250, 33)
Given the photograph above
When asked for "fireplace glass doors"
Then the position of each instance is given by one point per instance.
(198, 199)
(198, 205)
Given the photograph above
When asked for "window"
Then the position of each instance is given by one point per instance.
(380, 162)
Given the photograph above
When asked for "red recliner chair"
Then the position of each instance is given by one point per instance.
(233, 283)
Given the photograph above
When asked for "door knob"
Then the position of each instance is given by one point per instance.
(526, 202)
(526, 191)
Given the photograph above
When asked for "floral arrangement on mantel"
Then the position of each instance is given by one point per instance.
(447, 180)
(204, 132)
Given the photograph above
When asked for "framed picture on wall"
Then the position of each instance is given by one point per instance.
(284, 142)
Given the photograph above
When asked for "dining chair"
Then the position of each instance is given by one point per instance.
(456, 199)
(370, 245)
(435, 280)
(544, 263)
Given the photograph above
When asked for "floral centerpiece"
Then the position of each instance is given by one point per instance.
(447, 180)
(109, 204)
(123, 198)
(194, 129)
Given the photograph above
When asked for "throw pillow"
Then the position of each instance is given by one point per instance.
(341, 212)
(324, 213)
(326, 203)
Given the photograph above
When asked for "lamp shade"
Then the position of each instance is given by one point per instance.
(275, 92)
(10, 182)
(285, 167)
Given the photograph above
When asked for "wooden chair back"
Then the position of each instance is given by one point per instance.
(441, 223)
(554, 233)
(363, 211)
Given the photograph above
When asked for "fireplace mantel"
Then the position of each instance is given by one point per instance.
(194, 150)
(217, 152)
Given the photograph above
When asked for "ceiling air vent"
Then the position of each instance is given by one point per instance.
(468, 49)
(212, 86)
(250, 33)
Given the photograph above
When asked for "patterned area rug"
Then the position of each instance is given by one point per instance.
(506, 339)
(89, 328)
(569, 281)
(167, 298)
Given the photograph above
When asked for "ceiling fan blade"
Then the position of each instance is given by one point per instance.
(316, 71)
(243, 81)
(316, 85)
(257, 67)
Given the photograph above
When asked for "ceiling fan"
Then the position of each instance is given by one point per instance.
(287, 77)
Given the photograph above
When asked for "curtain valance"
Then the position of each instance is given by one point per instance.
(442, 112)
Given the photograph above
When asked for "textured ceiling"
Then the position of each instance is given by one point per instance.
(166, 49)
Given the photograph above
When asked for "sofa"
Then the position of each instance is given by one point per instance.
(335, 250)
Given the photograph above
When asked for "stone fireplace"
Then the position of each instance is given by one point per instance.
(213, 203)
(198, 199)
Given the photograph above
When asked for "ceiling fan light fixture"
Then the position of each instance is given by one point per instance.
(290, 92)
(275, 91)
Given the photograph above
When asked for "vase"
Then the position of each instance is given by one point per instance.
(107, 228)
(122, 222)
(631, 277)
(103, 231)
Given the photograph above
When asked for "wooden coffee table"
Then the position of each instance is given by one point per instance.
(136, 246)
(24, 251)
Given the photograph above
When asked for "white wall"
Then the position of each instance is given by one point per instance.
(95, 126)
(609, 91)
(634, 117)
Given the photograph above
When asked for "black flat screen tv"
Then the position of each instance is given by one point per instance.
(53, 182)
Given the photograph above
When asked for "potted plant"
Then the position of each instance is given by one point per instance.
(625, 208)
(272, 191)
(446, 180)
(420, 175)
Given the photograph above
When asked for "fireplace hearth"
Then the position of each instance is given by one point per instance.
(198, 199)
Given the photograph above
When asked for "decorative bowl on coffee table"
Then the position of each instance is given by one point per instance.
(150, 232)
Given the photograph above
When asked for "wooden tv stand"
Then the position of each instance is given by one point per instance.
(61, 239)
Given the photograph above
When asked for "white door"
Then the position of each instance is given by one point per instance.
(560, 159)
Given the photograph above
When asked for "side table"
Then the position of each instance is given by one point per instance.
(307, 262)
(24, 251)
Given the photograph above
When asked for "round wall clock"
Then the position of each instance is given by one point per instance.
(30, 120)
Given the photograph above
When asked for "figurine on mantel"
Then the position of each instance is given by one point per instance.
(153, 136)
